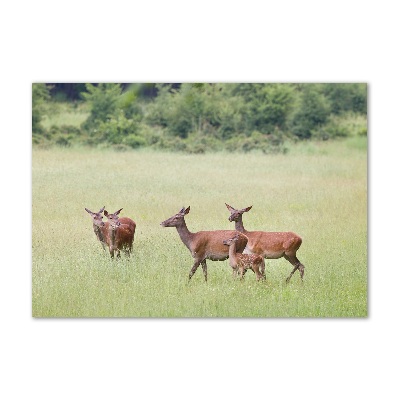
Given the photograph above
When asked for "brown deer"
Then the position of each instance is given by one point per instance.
(99, 227)
(240, 263)
(269, 244)
(203, 245)
(121, 232)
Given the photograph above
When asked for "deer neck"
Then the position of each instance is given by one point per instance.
(239, 225)
(232, 255)
(98, 232)
(185, 235)
(112, 232)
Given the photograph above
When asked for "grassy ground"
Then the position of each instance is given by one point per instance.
(318, 190)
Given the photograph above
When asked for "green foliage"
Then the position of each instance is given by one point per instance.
(345, 97)
(103, 100)
(116, 129)
(344, 125)
(267, 105)
(40, 94)
(202, 117)
(313, 111)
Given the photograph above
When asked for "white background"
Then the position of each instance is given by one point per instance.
(210, 41)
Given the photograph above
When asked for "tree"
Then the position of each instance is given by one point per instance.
(103, 100)
(313, 111)
(346, 97)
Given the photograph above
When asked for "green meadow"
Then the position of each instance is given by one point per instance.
(317, 189)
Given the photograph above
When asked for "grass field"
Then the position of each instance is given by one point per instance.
(318, 190)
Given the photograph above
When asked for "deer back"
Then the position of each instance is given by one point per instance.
(124, 235)
(272, 244)
(210, 244)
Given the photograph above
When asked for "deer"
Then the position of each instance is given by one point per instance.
(100, 228)
(121, 232)
(270, 245)
(203, 245)
(240, 263)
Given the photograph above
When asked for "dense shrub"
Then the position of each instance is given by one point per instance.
(103, 100)
(312, 113)
(40, 94)
(345, 97)
(344, 125)
(267, 106)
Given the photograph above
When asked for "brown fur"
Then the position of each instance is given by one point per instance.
(203, 245)
(100, 228)
(121, 232)
(270, 244)
(240, 263)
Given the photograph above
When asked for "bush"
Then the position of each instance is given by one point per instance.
(103, 103)
(312, 113)
(345, 125)
(40, 94)
(268, 144)
(267, 105)
(345, 97)
(134, 141)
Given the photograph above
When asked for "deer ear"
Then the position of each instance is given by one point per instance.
(101, 210)
(247, 209)
(231, 209)
(187, 210)
(117, 212)
(106, 213)
(88, 211)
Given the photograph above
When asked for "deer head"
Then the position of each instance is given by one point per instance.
(236, 214)
(176, 219)
(228, 242)
(96, 217)
(113, 219)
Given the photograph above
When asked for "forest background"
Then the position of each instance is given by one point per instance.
(196, 117)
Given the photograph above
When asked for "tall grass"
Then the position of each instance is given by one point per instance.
(59, 114)
(319, 192)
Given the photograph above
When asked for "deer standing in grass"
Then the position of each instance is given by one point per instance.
(269, 244)
(100, 228)
(240, 263)
(121, 232)
(203, 245)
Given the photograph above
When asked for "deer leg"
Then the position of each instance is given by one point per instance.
(256, 270)
(262, 269)
(297, 266)
(301, 270)
(204, 266)
(194, 268)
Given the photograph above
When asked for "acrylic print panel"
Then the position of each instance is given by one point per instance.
(111, 162)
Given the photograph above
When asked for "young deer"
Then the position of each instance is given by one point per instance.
(100, 228)
(121, 232)
(240, 263)
(269, 244)
(203, 245)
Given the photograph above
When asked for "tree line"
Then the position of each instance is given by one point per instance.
(200, 117)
